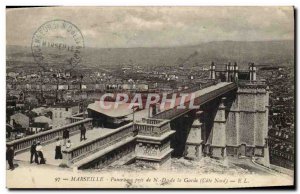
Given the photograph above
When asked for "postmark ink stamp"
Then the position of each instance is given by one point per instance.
(57, 42)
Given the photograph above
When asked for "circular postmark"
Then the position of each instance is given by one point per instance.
(57, 42)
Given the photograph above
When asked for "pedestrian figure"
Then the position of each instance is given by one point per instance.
(58, 154)
(33, 153)
(39, 149)
(66, 135)
(10, 157)
(82, 132)
(68, 144)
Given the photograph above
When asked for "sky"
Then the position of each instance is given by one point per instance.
(127, 27)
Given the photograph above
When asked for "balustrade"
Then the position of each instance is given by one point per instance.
(79, 151)
(47, 136)
(110, 157)
(152, 127)
(75, 119)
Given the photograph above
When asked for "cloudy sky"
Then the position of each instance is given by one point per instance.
(112, 27)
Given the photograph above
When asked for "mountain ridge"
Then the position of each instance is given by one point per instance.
(278, 51)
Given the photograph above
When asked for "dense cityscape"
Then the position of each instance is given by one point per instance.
(42, 100)
(281, 114)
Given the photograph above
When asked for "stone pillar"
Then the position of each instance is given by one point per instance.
(66, 158)
(227, 72)
(150, 111)
(212, 71)
(236, 72)
(153, 147)
(252, 71)
(193, 147)
(218, 144)
(266, 160)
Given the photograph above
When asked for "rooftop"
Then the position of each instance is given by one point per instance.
(117, 110)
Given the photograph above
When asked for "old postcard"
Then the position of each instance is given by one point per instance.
(150, 97)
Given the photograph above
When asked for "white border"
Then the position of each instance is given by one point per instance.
(5, 3)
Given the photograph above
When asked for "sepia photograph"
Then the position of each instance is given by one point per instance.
(148, 97)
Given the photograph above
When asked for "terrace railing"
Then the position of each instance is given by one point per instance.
(80, 151)
(49, 136)
(74, 119)
(152, 127)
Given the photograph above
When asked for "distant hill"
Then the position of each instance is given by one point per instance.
(260, 52)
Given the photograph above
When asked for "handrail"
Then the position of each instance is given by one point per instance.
(114, 131)
(199, 87)
(76, 153)
(159, 123)
(252, 83)
(73, 119)
(195, 88)
(78, 115)
(152, 129)
(45, 136)
(189, 90)
(167, 114)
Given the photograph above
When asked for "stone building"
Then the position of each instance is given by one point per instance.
(62, 111)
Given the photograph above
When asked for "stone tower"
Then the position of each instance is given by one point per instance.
(247, 121)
